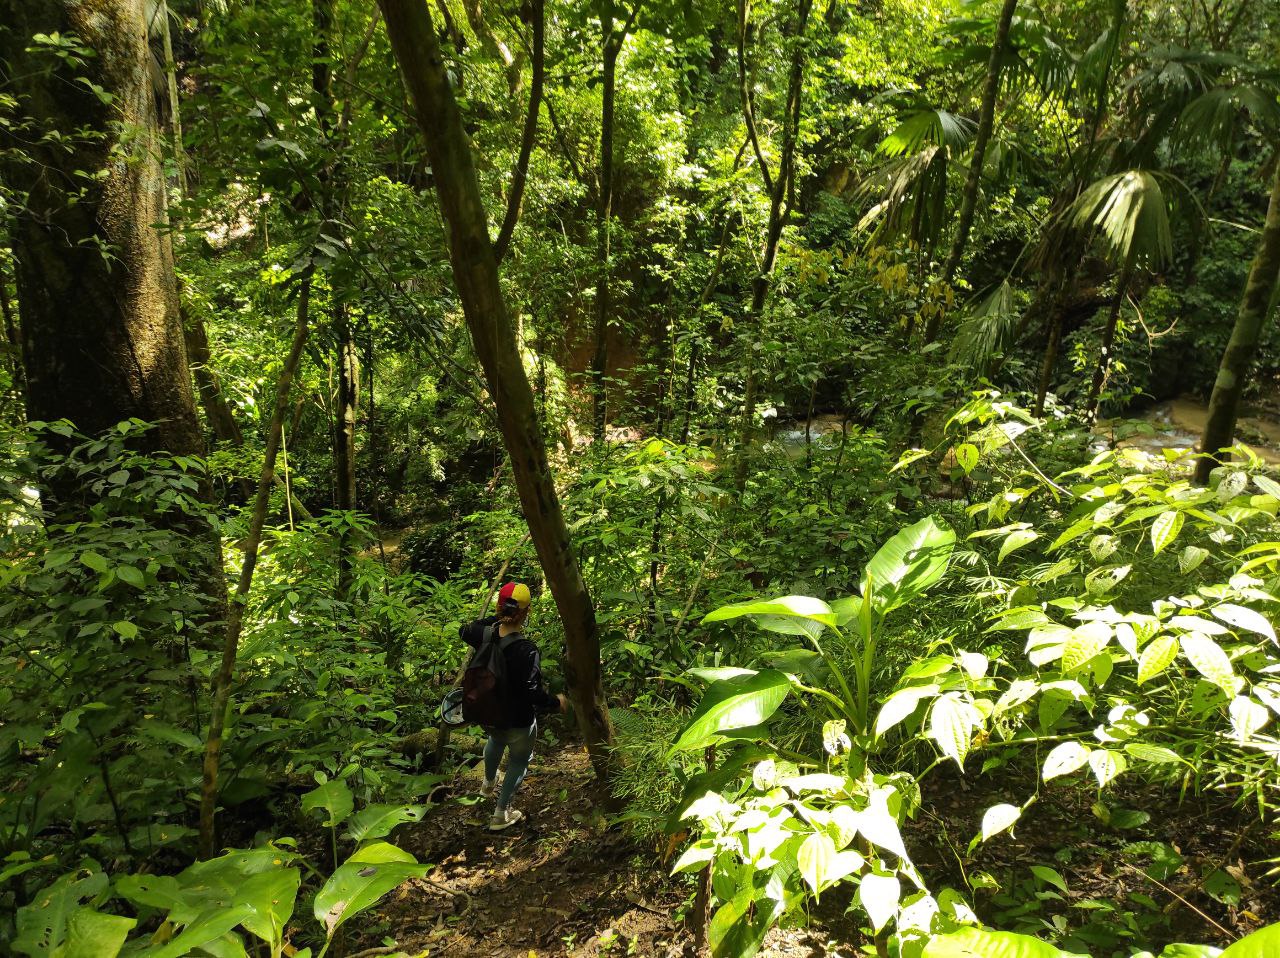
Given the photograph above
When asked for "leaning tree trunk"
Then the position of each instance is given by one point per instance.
(475, 272)
(1259, 291)
(986, 123)
(102, 334)
(780, 189)
(1108, 343)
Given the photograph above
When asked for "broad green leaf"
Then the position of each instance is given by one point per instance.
(734, 932)
(334, 797)
(1165, 529)
(1245, 618)
(1247, 717)
(900, 705)
(208, 927)
(1156, 657)
(879, 895)
(1264, 943)
(910, 562)
(1191, 558)
(949, 726)
(1209, 660)
(1268, 485)
(983, 943)
(272, 895)
(42, 924)
(800, 606)
(1015, 541)
(967, 456)
(815, 857)
(379, 821)
(363, 879)
(997, 818)
(1050, 876)
(93, 934)
(132, 576)
(695, 857)
(1106, 765)
(1155, 754)
(734, 703)
(1065, 759)
(95, 562)
(1086, 641)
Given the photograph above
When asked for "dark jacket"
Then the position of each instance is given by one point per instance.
(526, 695)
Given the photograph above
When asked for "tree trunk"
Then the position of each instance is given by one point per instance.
(235, 616)
(102, 334)
(475, 272)
(344, 438)
(780, 195)
(1233, 372)
(520, 174)
(986, 122)
(1108, 343)
(604, 213)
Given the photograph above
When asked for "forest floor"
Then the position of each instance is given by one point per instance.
(562, 882)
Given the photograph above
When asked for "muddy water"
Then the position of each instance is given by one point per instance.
(1178, 424)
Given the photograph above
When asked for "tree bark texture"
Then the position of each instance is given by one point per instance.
(1233, 372)
(344, 437)
(103, 338)
(986, 123)
(222, 679)
(475, 272)
(1108, 343)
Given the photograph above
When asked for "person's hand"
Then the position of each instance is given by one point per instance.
(564, 704)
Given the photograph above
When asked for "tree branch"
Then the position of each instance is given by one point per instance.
(744, 88)
(519, 176)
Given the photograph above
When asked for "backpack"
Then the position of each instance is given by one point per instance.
(484, 683)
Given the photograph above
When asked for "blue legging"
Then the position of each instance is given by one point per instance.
(519, 742)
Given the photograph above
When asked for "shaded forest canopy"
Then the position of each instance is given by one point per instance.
(880, 400)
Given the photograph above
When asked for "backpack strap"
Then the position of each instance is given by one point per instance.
(505, 642)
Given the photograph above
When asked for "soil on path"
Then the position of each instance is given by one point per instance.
(562, 882)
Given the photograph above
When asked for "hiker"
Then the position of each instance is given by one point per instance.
(515, 693)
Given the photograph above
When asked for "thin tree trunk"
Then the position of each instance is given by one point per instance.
(475, 271)
(175, 112)
(235, 617)
(780, 192)
(1108, 343)
(604, 213)
(521, 172)
(986, 122)
(1233, 372)
(344, 439)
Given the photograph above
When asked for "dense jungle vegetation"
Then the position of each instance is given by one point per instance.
(879, 397)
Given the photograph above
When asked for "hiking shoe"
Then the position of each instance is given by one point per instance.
(488, 789)
(504, 818)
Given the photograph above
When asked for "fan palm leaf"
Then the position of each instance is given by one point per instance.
(1128, 212)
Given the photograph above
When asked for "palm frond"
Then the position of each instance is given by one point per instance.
(987, 329)
(925, 128)
(1128, 211)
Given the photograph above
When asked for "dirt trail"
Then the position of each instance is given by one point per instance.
(562, 882)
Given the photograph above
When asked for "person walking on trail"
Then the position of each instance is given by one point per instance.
(511, 681)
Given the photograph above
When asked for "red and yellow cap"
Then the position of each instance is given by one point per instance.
(514, 594)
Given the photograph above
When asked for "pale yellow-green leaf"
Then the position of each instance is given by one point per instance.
(1156, 657)
(1165, 529)
(1106, 765)
(1065, 759)
(815, 857)
(949, 727)
(1209, 660)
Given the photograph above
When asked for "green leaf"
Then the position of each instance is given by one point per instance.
(1220, 886)
(206, 928)
(1015, 541)
(272, 895)
(950, 726)
(1264, 943)
(42, 925)
(379, 821)
(1268, 486)
(126, 630)
(1086, 642)
(997, 818)
(1156, 657)
(1106, 765)
(1155, 754)
(910, 562)
(901, 705)
(131, 576)
(797, 606)
(1244, 618)
(967, 456)
(734, 703)
(1065, 759)
(815, 857)
(1049, 876)
(1209, 660)
(95, 562)
(1191, 558)
(1165, 529)
(982, 943)
(334, 797)
(879, 896)
(93, 934)
(364, 878)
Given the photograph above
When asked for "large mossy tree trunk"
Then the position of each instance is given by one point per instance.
(493, 334)
(1233, 372)
(102, 335)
